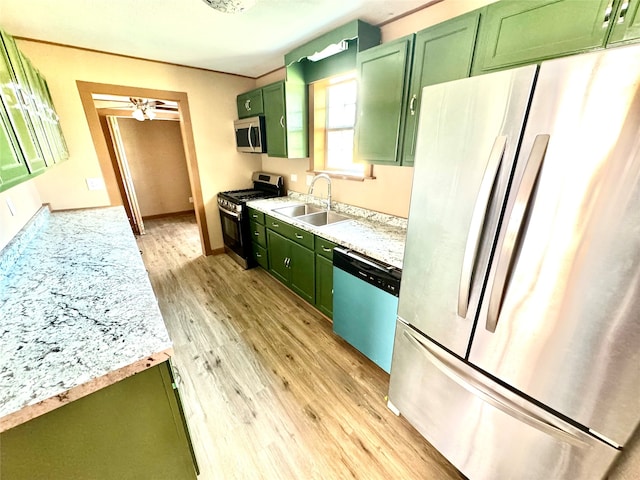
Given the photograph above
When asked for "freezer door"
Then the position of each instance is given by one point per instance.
(560, 318)
(485, 430)
(468, 135)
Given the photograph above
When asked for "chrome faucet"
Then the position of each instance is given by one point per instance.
(328, 179)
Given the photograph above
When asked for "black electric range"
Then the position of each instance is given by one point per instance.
(234, 217)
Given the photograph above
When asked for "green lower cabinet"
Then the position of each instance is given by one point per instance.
(261, 256)
(442, 53)
(515, 32)
(324, 285)
(383, 82)
(130, 430)
(626, 23)
(302, 266)
(292, 264)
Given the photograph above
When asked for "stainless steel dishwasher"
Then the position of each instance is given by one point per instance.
(365, 304)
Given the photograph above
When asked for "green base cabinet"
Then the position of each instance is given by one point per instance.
(383, 82)
(324, 276)
(442, 53)
(250, 104)
(285, 112)
(130, 430)
(292, 264)
(514, 32)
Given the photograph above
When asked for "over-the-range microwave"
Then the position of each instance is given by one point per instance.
(250, 135)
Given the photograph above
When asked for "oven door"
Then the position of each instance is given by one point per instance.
(235, 235)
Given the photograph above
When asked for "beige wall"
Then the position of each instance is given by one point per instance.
(26, 201)
(158, 165)
(213, 109)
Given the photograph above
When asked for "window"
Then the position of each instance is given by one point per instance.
(334, 109)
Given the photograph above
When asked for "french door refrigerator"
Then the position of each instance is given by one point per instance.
(517, 342)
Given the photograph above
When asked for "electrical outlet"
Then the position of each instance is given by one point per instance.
(95, 183)
(190, 199)
(11, 206)
(294, 177)
(309, 180)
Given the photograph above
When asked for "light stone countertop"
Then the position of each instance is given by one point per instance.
(76, 308)
(378, 235)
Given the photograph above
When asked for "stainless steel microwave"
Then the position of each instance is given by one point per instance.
(250, 135)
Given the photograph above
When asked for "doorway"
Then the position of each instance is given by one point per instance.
(98, 125)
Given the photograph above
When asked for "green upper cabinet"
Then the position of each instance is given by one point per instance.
(515, 32)
(626, 23)
(17, 119)
(383, 83)
(13, 169)
(442, 53)
(250, 104)
(285, 111)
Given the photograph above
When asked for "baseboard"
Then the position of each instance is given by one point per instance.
(172, 214)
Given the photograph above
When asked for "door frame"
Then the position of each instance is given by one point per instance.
(101, 144)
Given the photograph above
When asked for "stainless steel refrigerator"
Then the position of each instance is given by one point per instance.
(517, 345)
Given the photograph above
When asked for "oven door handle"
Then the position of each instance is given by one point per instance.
(229, 212)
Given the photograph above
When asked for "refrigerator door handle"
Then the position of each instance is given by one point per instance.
(514, 229)
(493, 398)
(477, 222)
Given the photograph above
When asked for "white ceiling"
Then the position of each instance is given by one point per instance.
(189, 32)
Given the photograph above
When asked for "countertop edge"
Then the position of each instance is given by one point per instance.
(30, 412)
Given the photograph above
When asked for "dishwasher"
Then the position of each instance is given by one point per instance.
(365, 304)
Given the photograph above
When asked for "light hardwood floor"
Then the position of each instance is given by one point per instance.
(269, 391)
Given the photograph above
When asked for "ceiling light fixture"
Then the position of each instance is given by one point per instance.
(230, 6)
(143, 109)
(329, 50)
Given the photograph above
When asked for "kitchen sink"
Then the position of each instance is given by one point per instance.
(323, 218)
(298, 210)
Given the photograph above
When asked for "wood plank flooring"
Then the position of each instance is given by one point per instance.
(269, 391)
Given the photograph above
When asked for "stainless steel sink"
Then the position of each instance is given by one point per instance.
(323, 218)
(298, 210)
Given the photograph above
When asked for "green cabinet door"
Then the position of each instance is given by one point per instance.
(250, 104)
(383, 81)
(133, 429)
(17, 118)
(324, 285)
(13, 169)
(274, 113)
(626, 23)
(515, 32)
(286, 118)
(279, 253)
(302, 267)
(442, 53)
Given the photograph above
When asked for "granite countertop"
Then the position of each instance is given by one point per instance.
(378, 235)
(76, 304)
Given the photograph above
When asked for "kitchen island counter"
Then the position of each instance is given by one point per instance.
(77, 312)
(378, 235)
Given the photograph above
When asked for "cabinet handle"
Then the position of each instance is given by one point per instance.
(282, 121)
(623, 11)
(275, 225)
(258, 255)
(257, 234)
(607, 14)
(326, 249)
(254, 215)
(412, 105)
(247, 105)
(299, 236)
